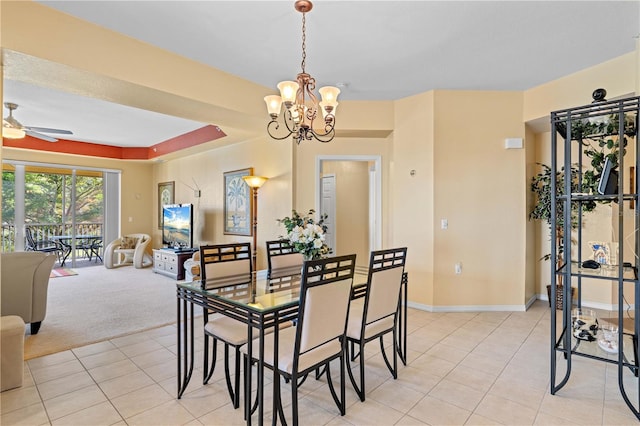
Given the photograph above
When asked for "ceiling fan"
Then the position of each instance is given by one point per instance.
(12, 129)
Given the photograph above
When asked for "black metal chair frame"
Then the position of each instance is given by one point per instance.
(91, 248)
(217, 254)
(379, 261)
(45, 246)
(314, 273)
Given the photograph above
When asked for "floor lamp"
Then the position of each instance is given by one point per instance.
(255, 182)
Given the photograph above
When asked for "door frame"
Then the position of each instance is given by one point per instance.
(375, 192)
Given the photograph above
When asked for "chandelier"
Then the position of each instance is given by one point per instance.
(301, 105)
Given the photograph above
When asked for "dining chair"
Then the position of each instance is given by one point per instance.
(220, 264)
(282, 259)
(91, 247)
(45, 246)
(319, 336)
(377, 314)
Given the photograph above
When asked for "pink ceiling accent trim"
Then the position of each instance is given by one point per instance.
(199, 136)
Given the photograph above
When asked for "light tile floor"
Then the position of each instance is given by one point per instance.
(463, 368)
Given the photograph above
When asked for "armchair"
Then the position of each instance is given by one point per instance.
(192, 267)
(130, 249)
(25, 283)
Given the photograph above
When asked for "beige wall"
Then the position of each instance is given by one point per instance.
(480, 189)
(352, 207)
(618, 76)
(268, 158)
(412, 197)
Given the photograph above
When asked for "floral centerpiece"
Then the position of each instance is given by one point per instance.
(306, 235)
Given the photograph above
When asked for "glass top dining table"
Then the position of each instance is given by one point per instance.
(262, 303)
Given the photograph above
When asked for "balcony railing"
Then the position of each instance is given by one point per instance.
(44, 231)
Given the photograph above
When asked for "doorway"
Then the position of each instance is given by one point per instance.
(359, 177)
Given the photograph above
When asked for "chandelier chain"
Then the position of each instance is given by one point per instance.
(304, 41)
(299, 104)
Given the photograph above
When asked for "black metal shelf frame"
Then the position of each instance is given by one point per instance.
(573, 152)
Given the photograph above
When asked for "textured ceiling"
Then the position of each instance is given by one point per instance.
(375, 50)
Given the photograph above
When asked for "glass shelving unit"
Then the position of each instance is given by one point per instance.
(614, 125)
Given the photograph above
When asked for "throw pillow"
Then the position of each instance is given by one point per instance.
(128, 242)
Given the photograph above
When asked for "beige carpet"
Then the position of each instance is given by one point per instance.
(100, 304)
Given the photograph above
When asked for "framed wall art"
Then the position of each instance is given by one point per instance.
(166, 195)
(238, 207)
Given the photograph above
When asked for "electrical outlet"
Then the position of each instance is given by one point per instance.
(458, 268)
(444, 223)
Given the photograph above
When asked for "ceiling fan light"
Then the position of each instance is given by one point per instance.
(12, 133)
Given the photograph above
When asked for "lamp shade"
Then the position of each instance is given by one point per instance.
(255, 181)
(274, 103)
(12, 133)
(329, 94)
(288, 91)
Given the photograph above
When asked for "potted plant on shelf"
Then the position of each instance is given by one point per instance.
(541, 187)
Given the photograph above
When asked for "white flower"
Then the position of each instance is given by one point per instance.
(317, 243)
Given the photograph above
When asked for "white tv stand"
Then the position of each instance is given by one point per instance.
(170, 262)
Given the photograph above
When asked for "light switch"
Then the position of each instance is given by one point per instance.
(444, 223)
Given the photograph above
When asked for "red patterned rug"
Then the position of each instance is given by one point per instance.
(62, 272)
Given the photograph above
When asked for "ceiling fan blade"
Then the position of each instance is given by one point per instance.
(40, 136)
(48, 130)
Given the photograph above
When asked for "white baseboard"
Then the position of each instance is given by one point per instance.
(468, 308)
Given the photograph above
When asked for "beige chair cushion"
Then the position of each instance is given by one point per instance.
(286, 341)
(287, 260)
(385, 291)
(324, 317)
(383, 303)
(323, 322)
(227, 329)
(128, 242)
(228, 272)
(354, 326)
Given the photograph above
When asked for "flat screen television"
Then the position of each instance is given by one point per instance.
(177, 225)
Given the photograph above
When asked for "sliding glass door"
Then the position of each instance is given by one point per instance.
(55, 203)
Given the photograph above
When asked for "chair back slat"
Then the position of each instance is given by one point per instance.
(324, 301)
(386, 268)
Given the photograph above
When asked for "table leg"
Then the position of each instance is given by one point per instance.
(247, 371)
(66, 251)
(185, 355)
(261, 376)
(402, 320)
(277, 404)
